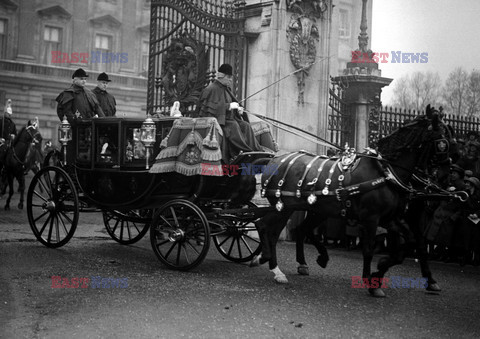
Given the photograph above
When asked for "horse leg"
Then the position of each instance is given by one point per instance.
(21, 189)
(304, 230)
(368, 231)
(396, 255)
(10, 191)
(269, 229)
(422, 254)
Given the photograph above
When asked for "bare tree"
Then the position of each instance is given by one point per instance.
(456, 91)
(417, 91)
(401, 93)
(473, 94)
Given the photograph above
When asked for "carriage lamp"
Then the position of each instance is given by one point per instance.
(147, 136)
(64, 136)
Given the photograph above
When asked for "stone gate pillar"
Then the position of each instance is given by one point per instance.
(363, 85)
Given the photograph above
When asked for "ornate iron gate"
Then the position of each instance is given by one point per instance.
(189, 40)
(341, 129)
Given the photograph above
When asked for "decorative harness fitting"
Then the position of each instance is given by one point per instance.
(342, 193)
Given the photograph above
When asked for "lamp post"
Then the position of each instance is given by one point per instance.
(148, 136)
(64, 136)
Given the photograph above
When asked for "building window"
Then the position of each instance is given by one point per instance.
(3, 39)
(145, 49)
(52, 37)
(102, 57)
(49, 102)
(344, 25)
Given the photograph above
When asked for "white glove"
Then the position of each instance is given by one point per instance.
(234, 105)
(240, 110)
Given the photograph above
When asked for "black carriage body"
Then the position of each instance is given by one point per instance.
(110, 164)
(110, 167)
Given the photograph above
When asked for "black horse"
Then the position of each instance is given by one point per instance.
(406, 234)
(18, 159)
(368, 187)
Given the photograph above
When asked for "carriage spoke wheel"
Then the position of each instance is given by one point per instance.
(52, 207)
(180, 235)
(238, 242)
(127, 227)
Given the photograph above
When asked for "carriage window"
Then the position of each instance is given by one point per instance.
(107, 148)
(135, 149)
(84, 143)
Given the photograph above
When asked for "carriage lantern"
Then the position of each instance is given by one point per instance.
(64, 135)
(147, 136)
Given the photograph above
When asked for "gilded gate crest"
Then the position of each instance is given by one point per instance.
(302, 33)
(183, 70)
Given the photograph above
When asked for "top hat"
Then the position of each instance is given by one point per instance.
(458, 169)
(79, 73)
(103, 77)
(226, 69)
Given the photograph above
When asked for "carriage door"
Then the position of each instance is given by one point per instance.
(189, 40)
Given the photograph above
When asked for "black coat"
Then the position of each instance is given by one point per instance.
(107, 102)
(78, 103)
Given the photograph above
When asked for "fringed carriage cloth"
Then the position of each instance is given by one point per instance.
(193, 144)
(197, 146)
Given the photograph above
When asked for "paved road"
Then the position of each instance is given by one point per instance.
(218, 299)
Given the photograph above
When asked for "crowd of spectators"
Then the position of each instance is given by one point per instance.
(453, 227)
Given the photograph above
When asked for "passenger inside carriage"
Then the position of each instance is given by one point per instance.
(218, 101)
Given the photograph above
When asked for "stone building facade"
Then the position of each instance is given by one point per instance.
(42, 42)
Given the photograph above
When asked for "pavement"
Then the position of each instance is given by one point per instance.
(218, 299)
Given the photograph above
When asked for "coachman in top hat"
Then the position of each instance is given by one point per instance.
(217, 100)
(106, 100)
(77, 101)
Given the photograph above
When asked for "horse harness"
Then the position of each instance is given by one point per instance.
(346, 164)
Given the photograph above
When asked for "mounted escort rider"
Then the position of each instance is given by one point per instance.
(218, 101)
(8, 129)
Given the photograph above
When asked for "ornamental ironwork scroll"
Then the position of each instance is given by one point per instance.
(303, 35)
(189, 40)
(184, 66)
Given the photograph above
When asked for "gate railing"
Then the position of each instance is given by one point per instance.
(340, 127)
(392, 118)
(189, 40)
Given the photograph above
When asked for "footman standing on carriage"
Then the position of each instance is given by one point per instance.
(218, 101)
(77, 101)
(106, 100)
(7, 127)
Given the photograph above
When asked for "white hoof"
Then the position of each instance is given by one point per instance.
(281, 279)
(303, 270)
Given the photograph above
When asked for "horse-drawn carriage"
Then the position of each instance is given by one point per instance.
(107, 166)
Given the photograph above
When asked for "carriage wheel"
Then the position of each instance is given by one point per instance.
(53, 158)
(127, 227)
(52, 207)
(180, 235)
(238, 242)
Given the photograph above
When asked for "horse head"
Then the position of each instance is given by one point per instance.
(427, 140)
